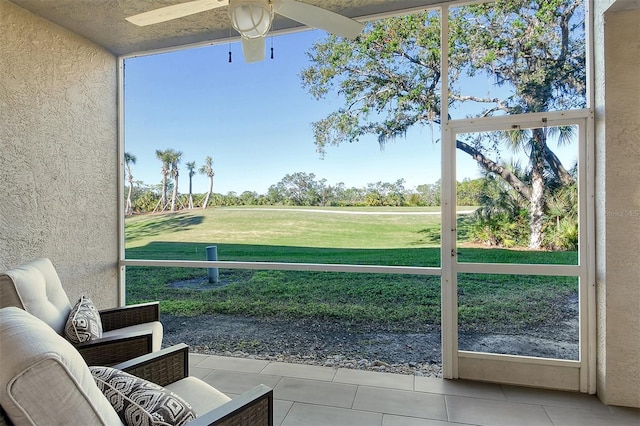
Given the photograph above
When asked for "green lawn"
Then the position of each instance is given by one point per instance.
(290, 227)
(406, 302)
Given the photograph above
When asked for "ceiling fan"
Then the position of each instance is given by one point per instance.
(253, 18)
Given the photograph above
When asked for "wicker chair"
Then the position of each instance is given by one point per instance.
(171, 365)
(128, 331)
(44, 380)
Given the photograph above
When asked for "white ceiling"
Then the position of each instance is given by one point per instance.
(103, 21)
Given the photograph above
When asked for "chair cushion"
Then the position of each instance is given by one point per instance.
(140, 402)
(84, 322)
(43, 379)
(40, 290)
(200, 395)
(155, 328)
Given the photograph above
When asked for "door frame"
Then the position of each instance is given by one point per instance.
(521, 370)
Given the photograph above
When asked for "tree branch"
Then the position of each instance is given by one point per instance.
(499, 104)
(556, 165)
(493, 167)
(564, 28)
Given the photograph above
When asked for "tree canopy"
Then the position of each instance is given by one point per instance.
(389, 80)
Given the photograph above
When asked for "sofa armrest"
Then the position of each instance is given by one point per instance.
(162, 367)
(125, 316)
(254, 407)
(107, 351)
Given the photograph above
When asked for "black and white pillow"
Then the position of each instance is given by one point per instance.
(84, 322)
(140, 402)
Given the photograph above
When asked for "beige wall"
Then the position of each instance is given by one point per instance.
(617, 61)
(58, 154)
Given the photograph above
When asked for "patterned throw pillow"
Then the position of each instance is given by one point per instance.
(140, 402)
(84, 322)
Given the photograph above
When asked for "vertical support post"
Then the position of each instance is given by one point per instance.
(122, 290)
(448, 288)
(212, 254)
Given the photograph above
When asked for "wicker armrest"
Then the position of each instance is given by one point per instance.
(162, 367)
(171, 364)
(254, 407)
(112, 350)
(125, 316)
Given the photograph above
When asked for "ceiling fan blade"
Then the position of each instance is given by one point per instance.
(253, 49)
(317, 17)
(175, 11)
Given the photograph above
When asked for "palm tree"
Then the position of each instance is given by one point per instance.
(191, 166)
(207, 169)
(175, 159)
(535, 143)
(129, 159)
(163, 156)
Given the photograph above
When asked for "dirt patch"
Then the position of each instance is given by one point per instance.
(559, 341)
(367, 347)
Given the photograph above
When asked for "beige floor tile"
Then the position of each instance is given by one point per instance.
(280, 411)
(553, 398)
(563, 416)
(198, 372)
(195, 359)
(318, 415)
(486, 412)
(236, 382)
(315, 392)
(400, 402)
(233, 364)
(314, 395)
(459, 388)
(371, 378)
(301, 371)
(625, 411)
(393, 420)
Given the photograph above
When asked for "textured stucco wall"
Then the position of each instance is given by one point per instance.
(58, 152)
(617, 95)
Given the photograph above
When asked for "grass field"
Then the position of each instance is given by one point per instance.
(292, 227)
(361, 236)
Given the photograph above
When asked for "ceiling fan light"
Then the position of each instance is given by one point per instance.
(251, 18)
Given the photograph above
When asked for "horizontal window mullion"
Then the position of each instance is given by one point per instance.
(282, 266)
(530, 120)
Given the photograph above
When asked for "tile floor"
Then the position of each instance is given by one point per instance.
(311, 395)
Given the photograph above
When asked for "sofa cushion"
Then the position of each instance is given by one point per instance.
(43, 379)
(140, 402)
(84, 322)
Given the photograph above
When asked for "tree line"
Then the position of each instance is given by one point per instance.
(295, 189)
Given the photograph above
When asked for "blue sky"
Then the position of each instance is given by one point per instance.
(254, 120)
